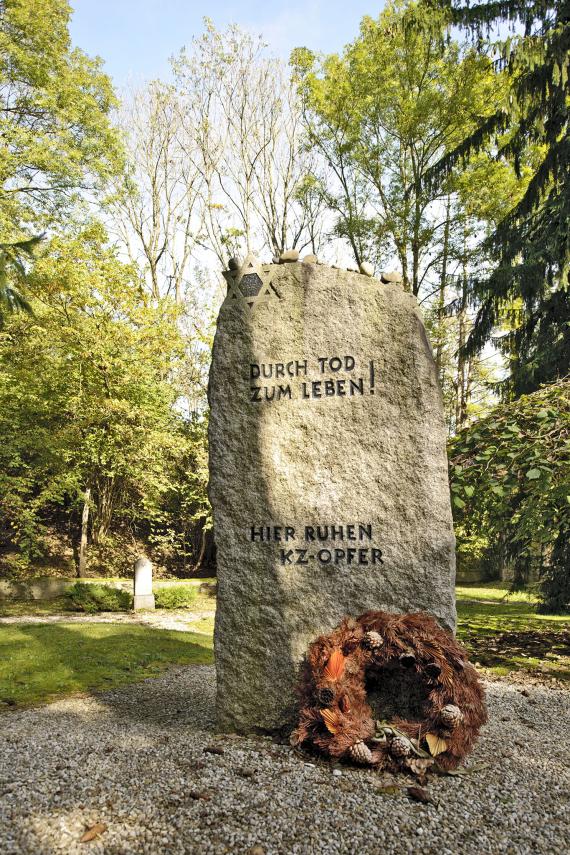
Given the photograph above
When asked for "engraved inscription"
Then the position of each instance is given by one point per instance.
(313, 536)
(356, 384)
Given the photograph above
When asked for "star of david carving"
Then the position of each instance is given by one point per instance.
(251, 284)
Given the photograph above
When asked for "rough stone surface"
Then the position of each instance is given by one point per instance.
(392, 276)
(369, 453)
(310, 259)
(288, 256)
(134, 760)
(367, 269)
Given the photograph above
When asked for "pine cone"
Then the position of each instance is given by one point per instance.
(450, 715)
(400, 747)
(372, 640)
(360, 753)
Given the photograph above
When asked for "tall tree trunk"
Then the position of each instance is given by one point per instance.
(82, 564)
(105, 503)
(462, 363)
(441, 295)
(203, 540)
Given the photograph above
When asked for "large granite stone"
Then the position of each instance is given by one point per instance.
(328, 474)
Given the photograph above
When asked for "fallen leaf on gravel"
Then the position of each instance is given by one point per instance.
(213, 749)
(418, 794)
(463, 770)
(94, 832)
(199, 794)
(257, 850)
(390, 790)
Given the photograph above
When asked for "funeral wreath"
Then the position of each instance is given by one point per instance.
(389, 691)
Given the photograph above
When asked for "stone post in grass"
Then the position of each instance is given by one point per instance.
(143, 596)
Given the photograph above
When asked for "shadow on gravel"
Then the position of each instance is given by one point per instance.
(172, 706)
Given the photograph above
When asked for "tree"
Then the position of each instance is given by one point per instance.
(157, 208)
(54, 116)
(510, 483)
(88, 404)
(56, 139)
(530, 244)
(484, 192)
(243, 133)
(13, 274)
(381, 115)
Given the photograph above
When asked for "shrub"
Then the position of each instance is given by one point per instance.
(175, 597)
(86, 597)
(510, 485)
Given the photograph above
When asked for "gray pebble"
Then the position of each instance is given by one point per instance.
(132, 757)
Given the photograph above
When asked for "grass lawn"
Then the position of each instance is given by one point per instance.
(40, 662)
(204, 626)
(503, 631)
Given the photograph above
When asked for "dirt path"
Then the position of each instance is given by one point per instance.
(177, 620)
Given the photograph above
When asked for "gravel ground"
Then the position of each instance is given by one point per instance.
(134, 760)
(171, 619)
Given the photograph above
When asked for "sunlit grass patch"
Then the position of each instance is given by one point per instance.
(204, 626)
(40, 662)
(507, 634)
(494, 592)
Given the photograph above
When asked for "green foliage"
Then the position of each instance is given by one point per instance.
(530, 245)
(54, 117)
(39, 663)
(90, 597)
(89, 387)
(510, 483)
(56, 138)
(175, 597)
(95, 375)
(13, 275)
(381, 115)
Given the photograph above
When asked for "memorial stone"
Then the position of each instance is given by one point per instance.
(328, 473)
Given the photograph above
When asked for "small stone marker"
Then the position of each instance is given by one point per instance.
(328, 473)
(143, 596)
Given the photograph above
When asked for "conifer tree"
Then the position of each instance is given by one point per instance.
(530, 246)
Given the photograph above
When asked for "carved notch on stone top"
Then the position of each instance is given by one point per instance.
(251, 283)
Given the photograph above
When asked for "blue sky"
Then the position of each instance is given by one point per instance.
(136, 37)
